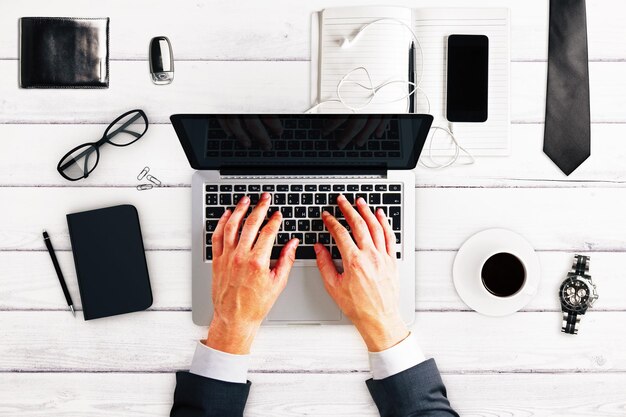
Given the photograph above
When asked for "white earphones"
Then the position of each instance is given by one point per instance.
(347, 43)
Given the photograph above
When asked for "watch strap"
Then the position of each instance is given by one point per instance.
(581, 266)
(570, 323)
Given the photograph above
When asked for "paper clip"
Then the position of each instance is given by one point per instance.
(143, 173)
(154, 180)
(142, 187)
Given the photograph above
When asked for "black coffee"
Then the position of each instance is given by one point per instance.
(503, 274)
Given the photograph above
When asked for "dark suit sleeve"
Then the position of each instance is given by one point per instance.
(418, 391)
(197, 396)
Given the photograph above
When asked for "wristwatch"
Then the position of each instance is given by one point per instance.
(577, 294)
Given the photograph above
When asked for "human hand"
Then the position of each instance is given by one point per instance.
(357, 129)
(244, 286)
(246, 129)
(367, 290)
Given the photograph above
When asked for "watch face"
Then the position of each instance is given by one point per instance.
(575, 294)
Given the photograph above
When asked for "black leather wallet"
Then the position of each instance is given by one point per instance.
(64, 52)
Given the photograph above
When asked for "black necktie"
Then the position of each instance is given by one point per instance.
(567, 132)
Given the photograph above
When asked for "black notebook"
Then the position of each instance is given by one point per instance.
(110, 261)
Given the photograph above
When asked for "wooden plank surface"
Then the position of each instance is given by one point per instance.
(249, 87)
(170, 276)
(163, 341)
(288, 395)
(161, 151)
(250, 56)
(550, 218)
(280, 30)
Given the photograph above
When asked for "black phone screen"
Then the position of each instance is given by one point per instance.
(468, 70)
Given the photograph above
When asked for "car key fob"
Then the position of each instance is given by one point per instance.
(161, 60)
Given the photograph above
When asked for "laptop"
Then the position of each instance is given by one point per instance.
(304, 161)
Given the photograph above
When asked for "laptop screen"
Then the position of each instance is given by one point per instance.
(303, 142)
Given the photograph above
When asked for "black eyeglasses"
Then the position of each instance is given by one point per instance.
(82, 160)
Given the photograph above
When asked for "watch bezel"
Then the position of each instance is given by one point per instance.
(583, 306)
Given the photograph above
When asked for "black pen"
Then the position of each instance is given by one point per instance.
(57, 268)
(412, 78)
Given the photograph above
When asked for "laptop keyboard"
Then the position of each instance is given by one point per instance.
(302, 138)
(301, 206)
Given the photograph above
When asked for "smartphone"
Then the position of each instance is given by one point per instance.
(468, 76)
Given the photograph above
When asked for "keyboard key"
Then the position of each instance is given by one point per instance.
(209, 236)
(293, 199)
(398, 255)
(254, 188)
(237, 197)
(210, 188)
(310, 187)
(349, 197)
(323, 238)
(211, 199)
(286, 211)
(214, 212)
(240, 188)
(392, 198)
(268, 188)
(305, 252)
(332, 198)
(225, 200)
(317, 225)
(226, 187)
(324, 187)
(211, 225)
(380, 187)
(289, 225)
(310, 238)
(282, 238)
(314, 212)
(345, 224)
(209, 254)
(298, 236)
(280, 199)
(296, 187)
(300, 212)
(360, 195)
(394, 187)
(276, 251)
(282, 187)
(254, 198)
(353, 187)
(374, 198)
(335, 252)
(320, 199)
(394, 213)
(304, 225)
(271, 210)
(367, 187)
(339, 187)
(307, 198)
(398, 238)
(338, 213)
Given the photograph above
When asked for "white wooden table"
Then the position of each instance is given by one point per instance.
(252, 56)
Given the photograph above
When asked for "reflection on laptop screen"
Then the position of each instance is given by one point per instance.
(311, 141)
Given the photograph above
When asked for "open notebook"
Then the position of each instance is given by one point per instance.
(383, 49)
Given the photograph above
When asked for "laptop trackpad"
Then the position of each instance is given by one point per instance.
(305, 299)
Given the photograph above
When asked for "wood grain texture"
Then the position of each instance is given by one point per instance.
(161, 151)
(249, 87)
(159, 341)
(547, 217)
(37, 287)
(280, 29)
(288, 395)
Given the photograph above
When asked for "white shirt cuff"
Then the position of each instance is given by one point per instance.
(215, 364)
(396, 359)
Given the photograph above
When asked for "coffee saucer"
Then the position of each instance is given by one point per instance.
(468, 264)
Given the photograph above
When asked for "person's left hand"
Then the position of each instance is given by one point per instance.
(244, 286)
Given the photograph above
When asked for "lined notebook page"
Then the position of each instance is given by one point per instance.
(432, 27)
(382, 48)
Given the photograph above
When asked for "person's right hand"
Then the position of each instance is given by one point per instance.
(367, 290)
